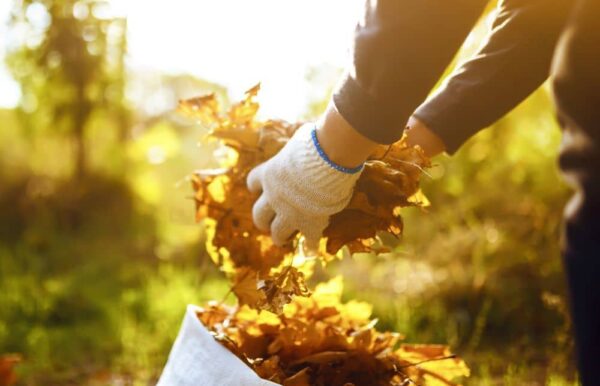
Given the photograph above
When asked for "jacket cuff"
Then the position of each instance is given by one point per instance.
(379, 121)
(442, 119)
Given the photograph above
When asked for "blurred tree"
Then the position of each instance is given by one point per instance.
(70, 65)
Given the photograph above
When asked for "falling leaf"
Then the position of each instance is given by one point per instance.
(246, 288)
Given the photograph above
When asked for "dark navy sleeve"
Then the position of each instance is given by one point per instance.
(401, 49)
(513, 61)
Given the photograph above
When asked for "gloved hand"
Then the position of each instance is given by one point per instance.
(301, 188)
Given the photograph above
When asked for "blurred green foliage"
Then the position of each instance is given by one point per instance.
(99, 253)
(70, 68)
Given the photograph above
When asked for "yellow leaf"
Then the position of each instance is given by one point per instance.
(246, 289)
(420, 199)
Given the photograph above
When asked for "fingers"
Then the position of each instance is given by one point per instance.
(314, 232)
(311, 244)
(254, 179)
(281, 225)
(281, 230)
(262, 214)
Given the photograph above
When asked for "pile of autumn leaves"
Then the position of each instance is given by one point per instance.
(284, 332)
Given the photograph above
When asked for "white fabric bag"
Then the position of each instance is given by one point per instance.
(197, 359)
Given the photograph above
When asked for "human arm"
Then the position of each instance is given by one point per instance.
(513, 61)
(346, 146)
(400, 50)
(397, 59)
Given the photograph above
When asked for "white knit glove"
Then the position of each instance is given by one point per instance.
(301, 188)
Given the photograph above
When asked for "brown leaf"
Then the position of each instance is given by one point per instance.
(204, 108)
(301, 378)
(8, 362)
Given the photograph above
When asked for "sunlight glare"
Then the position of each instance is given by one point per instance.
(237, 43)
